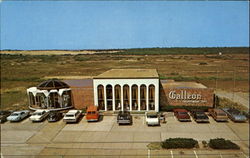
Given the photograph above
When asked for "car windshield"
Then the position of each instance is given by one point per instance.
(235, 112)
(221, 114)
(37, 113)
(152, 116)
(200, 114)
(14, 114)
(182, 113)
(70, 115)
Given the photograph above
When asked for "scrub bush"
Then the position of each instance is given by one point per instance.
(173, 143)
(221, 143)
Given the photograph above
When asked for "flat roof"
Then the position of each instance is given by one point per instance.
(128, 73)
(175, 84)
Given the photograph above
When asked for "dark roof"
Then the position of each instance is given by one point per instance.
(87, 83)
(52, 84)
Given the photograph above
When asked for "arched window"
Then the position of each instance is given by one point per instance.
(109, 97)
(100, 91)
(66, 99)
(134, 97)
(143, 94)
(53, 100)
(41, 100)
(117, 97)
(151, 97)
(125, 97)
(31, 99)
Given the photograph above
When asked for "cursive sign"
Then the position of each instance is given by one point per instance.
(183, 95)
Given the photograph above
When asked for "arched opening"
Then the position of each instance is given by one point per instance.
(41, 100)
(66, 99)
(100, 91)
(134, 97)
(143, 94)
(109, 97)
(117, 97)
(53, 100)
(31, 99)
(151, 97)
(125, 97)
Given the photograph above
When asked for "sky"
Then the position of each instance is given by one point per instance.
(42, 25)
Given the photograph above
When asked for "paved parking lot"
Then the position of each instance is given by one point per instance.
(102, 138)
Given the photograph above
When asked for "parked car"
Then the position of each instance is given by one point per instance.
(218, 114)
(124, 117)
(92, 114)
(152, 118)
(54, 116)
(18, 115)
(235, 115)
(182, 114)
(39, 115)
(199, 115)
(72, 116)
(4, 115)
(162, 118)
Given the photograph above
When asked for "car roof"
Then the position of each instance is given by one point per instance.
(72, 111)
(180, 110)
(151, 113)
(39, 110)
(92, 108)
(219, 111)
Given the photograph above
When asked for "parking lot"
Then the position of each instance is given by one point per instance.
(107, 139)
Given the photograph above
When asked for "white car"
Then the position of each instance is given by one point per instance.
(152, 118)
(72, 116)
(18, 115)
(39, 115)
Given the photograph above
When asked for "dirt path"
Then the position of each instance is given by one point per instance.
(239, 97)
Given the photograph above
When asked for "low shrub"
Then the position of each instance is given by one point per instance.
(173, 143)
(221, 143)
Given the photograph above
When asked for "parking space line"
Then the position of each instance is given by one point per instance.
(148, 153)
(221, 156)
(245, 155)
(196, 156)
(171, 153)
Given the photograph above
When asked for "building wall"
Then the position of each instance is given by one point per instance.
(129, 82)
(82, 97)
(187, 97)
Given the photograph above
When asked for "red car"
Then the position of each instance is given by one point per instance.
(182, 114)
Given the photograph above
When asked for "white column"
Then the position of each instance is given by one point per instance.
(113, 97)
(139, 98)
(157, 92)
(105, 98)
(130, 98)
(121, 97)
(147, 97)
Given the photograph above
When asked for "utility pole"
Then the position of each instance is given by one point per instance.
(216, 78)
(234, 84)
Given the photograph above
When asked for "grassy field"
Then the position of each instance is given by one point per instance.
(19, 71)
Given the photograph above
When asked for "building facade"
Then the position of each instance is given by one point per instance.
(120, 89)
(127, 89)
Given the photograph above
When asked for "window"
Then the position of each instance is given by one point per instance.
(143, 94)
(151, 97)
(100, 91)
(125, 97)
(117, 97)
(109, 97)
(134, 97)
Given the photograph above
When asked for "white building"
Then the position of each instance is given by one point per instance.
(127, 89)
